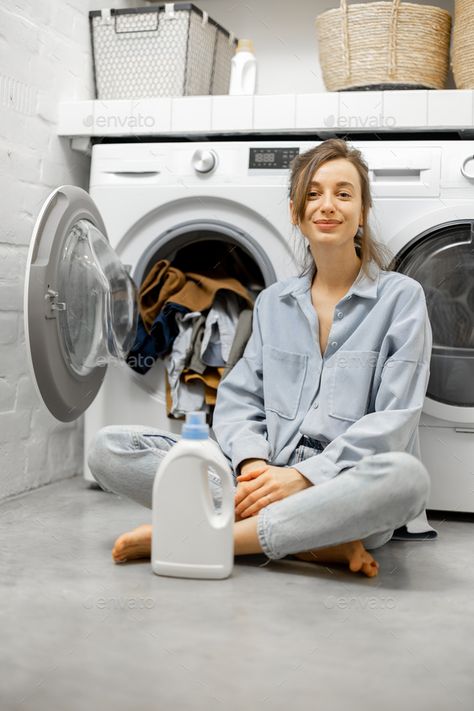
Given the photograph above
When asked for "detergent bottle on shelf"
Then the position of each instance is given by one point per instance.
(243, 74)
(190, 538)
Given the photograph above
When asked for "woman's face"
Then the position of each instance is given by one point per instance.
(333, 209)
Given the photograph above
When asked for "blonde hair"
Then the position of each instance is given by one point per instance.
(304, 166)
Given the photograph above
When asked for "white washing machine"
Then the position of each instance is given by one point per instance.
(150, 201)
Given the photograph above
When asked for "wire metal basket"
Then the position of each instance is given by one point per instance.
(172, 49)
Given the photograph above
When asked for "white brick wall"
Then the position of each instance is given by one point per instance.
(44, 59)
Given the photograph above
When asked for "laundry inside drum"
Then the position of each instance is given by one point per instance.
(196, 300)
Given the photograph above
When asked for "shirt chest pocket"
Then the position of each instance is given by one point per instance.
(283, 378)
(350, 383)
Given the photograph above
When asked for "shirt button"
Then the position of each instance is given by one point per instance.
(340, 314)
(333, 344)
(316, 405)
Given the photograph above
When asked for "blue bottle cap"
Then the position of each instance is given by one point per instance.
(195, 426)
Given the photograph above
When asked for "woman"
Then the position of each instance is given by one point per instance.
(320, 417)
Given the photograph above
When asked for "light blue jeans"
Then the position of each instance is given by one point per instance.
(366, 502)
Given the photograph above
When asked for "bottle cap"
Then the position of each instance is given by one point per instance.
(195, 426)
(244, 45)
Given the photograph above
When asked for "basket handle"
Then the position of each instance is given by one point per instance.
(136, 32)
(391, 38)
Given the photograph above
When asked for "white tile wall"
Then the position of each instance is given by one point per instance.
(44, 59)
(232, 113)
(199, 107)
(276, 111)
(320, 109)
(360, 110)
(454, 108)
(405, 109)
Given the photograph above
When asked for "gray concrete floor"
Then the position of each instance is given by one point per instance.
(80, 633)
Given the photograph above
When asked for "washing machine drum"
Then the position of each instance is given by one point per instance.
(443, 262)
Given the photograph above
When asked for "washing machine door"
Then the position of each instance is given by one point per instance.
(80, 304)
(442, 260)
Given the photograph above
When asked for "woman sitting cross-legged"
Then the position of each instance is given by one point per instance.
(319, 418)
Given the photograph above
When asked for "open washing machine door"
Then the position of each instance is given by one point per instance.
(80, 305)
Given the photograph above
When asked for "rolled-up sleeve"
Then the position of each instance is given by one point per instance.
(399, 395)
(239, 422)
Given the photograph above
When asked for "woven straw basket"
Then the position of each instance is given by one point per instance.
(384, 45)
(462, 52)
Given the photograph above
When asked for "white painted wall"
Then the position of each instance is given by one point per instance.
(284, 37)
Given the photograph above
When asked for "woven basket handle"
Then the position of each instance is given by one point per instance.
(391, 38)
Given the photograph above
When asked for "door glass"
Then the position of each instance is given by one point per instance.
(443, 262)
(97, 300)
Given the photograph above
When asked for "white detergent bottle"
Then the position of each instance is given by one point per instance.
(243, 74)
(190, 538)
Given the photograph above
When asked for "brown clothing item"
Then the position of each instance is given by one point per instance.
(211, 379)
(162, 281)
(169, 401)
(194, 291)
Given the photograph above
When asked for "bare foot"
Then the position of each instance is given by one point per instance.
(136, 544)
(133, 544)
(353, 553)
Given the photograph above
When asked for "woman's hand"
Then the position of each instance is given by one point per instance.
(265, 484)
(249, 465)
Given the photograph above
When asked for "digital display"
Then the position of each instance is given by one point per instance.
(272, 158)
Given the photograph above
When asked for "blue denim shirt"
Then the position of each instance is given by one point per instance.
(363, 396)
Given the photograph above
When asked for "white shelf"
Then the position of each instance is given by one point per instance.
(329, 111)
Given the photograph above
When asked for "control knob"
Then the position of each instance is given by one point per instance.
(204, 161)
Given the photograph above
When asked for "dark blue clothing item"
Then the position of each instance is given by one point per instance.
(150, 346)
